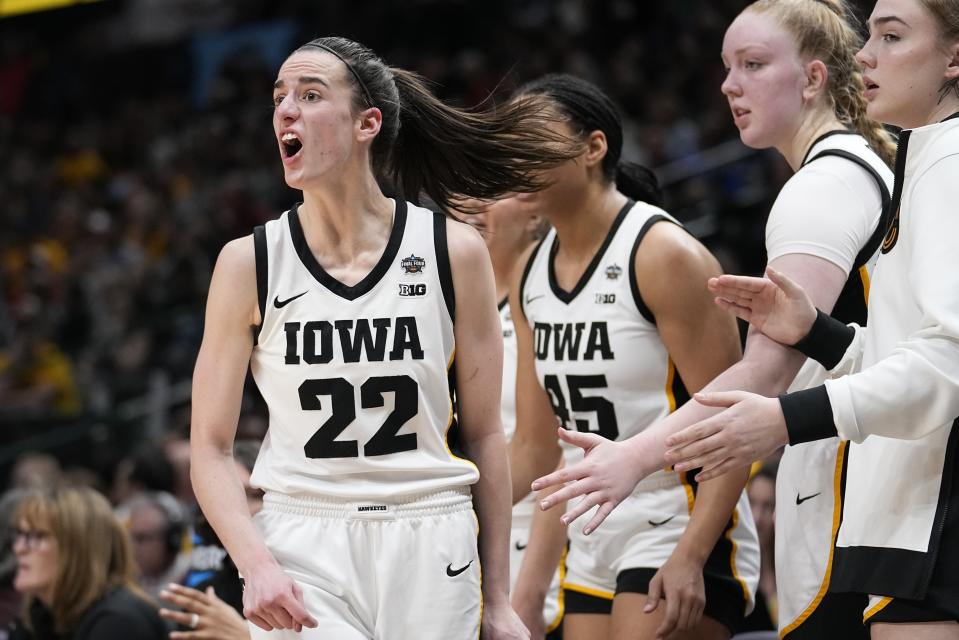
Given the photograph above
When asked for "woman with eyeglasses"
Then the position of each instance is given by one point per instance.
(75, 570)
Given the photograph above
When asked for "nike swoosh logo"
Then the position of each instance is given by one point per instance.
(661, 522)
(801, 500)
(451, 572)
(279, 304)
(531, 298)
(520, 547)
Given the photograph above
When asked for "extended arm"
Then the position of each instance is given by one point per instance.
(271, 600)
(479, 368)
(611, 470)
(534, 449)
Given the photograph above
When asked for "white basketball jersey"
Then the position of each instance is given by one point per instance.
(598, 353)
(851, 303)
(809, 487)
(359, 380)
(508, 404)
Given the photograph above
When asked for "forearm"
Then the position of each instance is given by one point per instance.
(767, 368)
(547, 540)
(528, 462)
(220, 495)
(907, 395)
(715, 502)
(491, 500)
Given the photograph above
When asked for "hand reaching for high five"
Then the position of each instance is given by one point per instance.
(774, 305)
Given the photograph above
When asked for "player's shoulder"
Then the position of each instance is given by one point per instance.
(666, 242)
(238, 255)
(464, 242)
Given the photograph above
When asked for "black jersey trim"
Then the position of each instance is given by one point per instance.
(888, 572)
(262, 273)
(836, 616)
(373, 278)
(502, 303)
(872, 245)
(454, 435)
(851, 305)
(526, 271)
(644, 310)
(720, 567)
(906, 574)
(955, 115)
(568, 296)
(948, 499)
(828, 134)
(579, 601)
(892, 232)
(441, 248)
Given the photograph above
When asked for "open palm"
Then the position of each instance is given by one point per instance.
(774, 305)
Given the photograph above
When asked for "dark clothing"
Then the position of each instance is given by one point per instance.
(119, 615)
(227, 585)
(210, 566)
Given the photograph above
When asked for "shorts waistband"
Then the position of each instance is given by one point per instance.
(661, 479)
(412, 506)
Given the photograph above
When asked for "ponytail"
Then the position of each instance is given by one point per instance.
(851, 108)
(425, 146)
(638, 182)
(444, 152)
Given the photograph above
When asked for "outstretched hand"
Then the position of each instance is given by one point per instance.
(750, 428)
(605, 477)
(774, 305)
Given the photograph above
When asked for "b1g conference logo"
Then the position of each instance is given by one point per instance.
(412, 290)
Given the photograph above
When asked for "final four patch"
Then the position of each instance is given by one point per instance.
(413, 264)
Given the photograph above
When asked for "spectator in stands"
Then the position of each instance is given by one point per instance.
(9, 598)
(75, 569)
(35, 470)
(147, 469)
(762, 499)
(158, 524)
(36, 377)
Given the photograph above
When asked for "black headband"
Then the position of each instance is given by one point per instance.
(359, 80)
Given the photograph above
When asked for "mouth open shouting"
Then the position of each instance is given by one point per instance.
(291, 146)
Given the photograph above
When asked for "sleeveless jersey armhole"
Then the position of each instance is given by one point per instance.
(259, 250)
(633, 284)
(525, 276)
(445, 271)
(872, 245)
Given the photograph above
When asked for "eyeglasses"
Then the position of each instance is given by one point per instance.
(30, 539)
(144, 537)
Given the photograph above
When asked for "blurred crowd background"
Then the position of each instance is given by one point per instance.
(136, 139)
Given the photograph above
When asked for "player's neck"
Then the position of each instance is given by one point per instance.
(812, 127)
(347, 217)
(584, 224)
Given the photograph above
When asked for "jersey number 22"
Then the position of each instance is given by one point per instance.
(387, 439)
